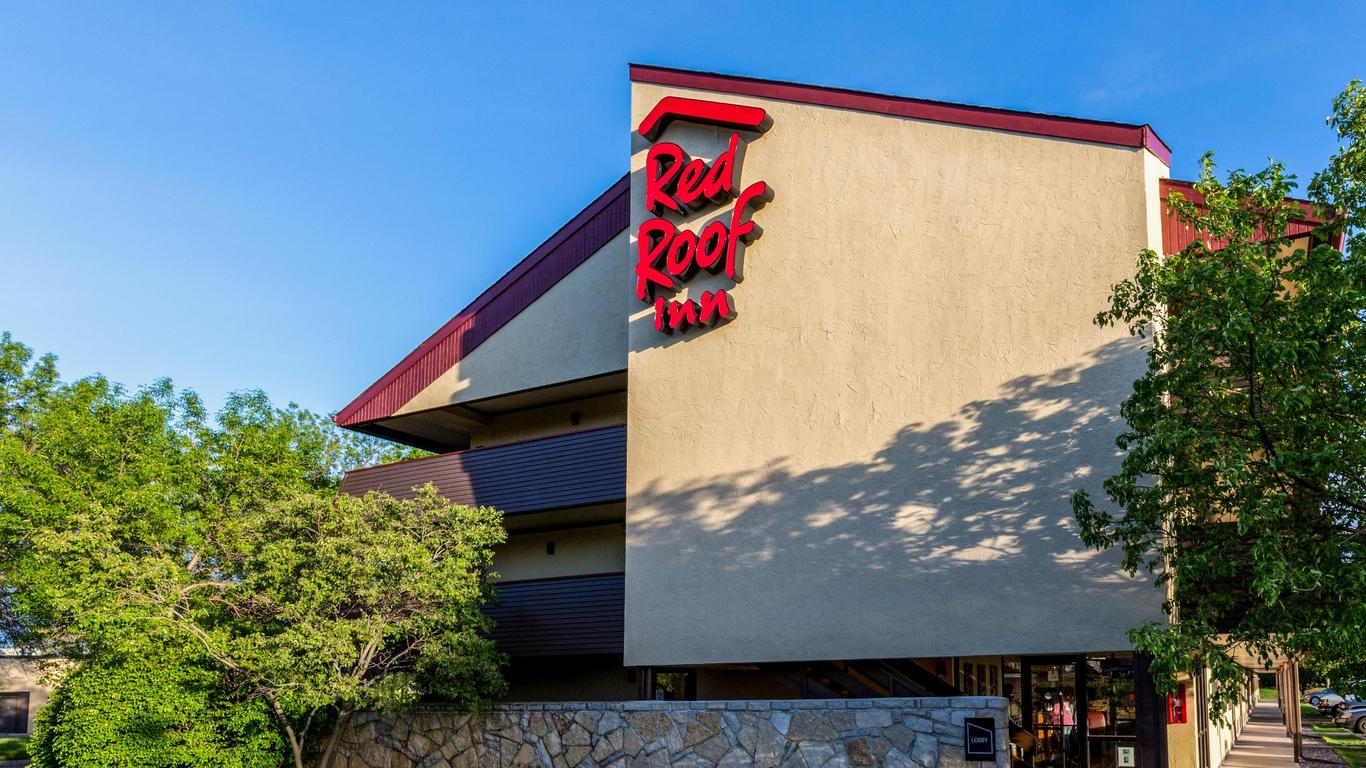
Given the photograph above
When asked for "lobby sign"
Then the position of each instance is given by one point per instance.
(979, 739)
(667, 255)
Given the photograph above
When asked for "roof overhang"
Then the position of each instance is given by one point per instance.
(373, 411)
(447, 428)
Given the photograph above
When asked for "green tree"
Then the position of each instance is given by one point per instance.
(130, 520)
(1243, 482)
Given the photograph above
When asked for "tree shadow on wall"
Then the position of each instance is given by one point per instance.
(964, 523)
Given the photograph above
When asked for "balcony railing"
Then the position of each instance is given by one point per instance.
(570, 470)
(564, 616)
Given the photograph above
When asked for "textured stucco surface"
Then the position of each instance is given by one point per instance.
(874, 458)
(899, 733)
(578, 551)
(573, 331)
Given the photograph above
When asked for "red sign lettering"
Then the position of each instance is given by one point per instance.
(668, 257)
(672, 108)
(674, 315)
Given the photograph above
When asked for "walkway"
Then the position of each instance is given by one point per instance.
(1263, 743)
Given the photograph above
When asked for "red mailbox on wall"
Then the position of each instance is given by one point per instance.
(1176, 705)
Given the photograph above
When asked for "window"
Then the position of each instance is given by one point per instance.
(14, 712)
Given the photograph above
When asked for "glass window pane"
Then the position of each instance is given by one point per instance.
(1110, 697)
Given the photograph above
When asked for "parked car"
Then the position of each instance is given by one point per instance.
(1330, 699)
(1352, 716)
(1324, 698)
(1347, 702)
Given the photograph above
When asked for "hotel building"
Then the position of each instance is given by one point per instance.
(794, 410)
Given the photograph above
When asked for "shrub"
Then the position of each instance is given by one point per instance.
(156, 712)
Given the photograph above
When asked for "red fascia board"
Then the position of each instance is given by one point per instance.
(1192, 195)
(1177, 234)
(493, 308)
(1077, 129)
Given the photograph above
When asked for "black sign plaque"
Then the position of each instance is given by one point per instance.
(979, 739)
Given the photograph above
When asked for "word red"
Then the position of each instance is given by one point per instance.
(672, 180)
(668, 256)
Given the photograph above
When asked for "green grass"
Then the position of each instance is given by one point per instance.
(1268, 694)
(1351, 749)
(1311, 712)
(14, 749)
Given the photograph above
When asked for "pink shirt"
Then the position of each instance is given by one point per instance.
(1064, 713)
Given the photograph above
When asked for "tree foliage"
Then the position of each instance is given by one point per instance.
(134, 520)
(163, 709)
(1243, 483)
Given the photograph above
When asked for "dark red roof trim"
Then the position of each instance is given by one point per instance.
(1177, 234)
(1096, 131)
(603, 219)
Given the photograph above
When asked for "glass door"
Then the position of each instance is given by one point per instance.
(1111, 722)
(1052, 697)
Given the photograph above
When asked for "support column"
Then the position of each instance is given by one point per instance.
(1292, 701)
(645, 683)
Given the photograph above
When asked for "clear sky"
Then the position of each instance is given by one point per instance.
(293, 196)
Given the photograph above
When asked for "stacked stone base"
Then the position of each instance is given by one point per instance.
(904, 733)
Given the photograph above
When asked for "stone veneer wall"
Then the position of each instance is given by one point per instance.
(906, 733)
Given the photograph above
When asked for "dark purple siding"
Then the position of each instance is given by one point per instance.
(558, 617)
(572, 470)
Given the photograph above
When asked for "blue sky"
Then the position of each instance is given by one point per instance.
(292, 196)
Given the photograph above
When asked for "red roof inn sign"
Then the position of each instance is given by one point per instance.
(668, 256)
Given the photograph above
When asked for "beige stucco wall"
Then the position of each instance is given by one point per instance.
(578, 552)
(22, 675)
(573, 331)
(1182, 738)
(1224, 733)
(874, 459)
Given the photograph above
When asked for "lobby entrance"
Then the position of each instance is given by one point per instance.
(1081, 710)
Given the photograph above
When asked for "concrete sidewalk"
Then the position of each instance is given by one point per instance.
(1263, 743)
